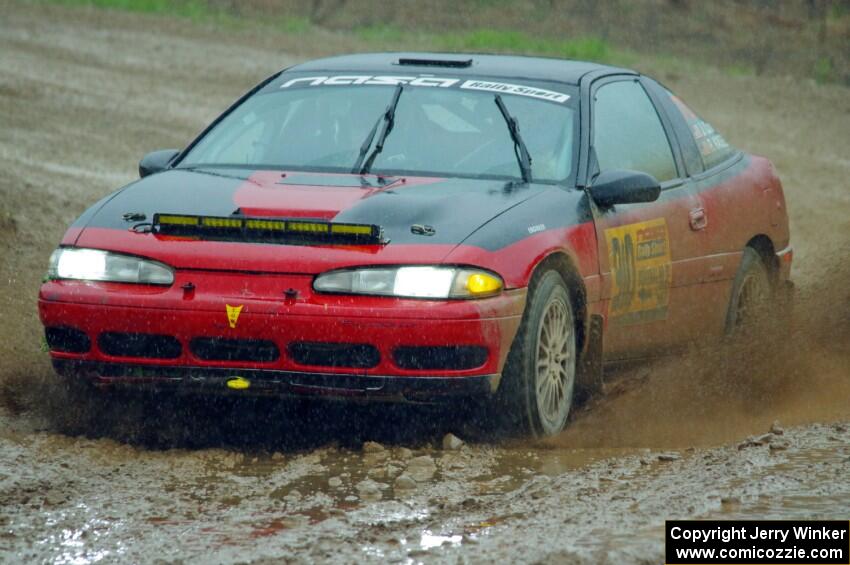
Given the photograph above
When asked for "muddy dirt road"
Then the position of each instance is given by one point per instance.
(83, 94)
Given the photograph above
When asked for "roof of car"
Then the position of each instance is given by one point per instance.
(503, 66)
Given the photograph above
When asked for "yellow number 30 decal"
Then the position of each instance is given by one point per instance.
(639, 257)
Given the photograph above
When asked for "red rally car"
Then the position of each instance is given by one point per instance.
(419, 227)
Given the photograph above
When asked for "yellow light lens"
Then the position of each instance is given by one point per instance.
(222, 222)
(481, 283)
(179, 220)
(307, 227)
(349, 229)
(265, 225)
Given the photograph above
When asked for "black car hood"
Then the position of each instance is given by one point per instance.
(452, 209)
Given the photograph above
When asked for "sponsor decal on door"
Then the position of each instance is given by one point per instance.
(641, 268)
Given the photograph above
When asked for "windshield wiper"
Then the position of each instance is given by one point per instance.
(520, 150)
(388, 119)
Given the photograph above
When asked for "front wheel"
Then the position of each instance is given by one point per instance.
(540, 374)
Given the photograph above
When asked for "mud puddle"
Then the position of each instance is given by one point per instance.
(77, 500)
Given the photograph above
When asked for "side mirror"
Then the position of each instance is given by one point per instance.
(624, 187)
(156, 161)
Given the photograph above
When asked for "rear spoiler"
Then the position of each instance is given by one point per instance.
(267, 230)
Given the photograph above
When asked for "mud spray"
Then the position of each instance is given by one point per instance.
(718, 393)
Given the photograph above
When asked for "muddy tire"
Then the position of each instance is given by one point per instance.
(752, 295)
(536, 394)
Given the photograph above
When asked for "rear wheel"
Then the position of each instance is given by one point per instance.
(539, 378)
(751, 295)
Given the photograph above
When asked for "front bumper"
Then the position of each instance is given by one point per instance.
(198, 380)
(384, 325)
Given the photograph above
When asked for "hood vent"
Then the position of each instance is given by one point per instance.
(450, 63)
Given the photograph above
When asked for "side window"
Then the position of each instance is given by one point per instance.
(712, 147)
(627, 132)
(664, 102)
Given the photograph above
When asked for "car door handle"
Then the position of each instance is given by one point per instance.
(698, 219)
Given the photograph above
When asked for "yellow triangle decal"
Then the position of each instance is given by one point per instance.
(233, 314)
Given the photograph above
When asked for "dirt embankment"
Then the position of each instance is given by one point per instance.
(83, 94)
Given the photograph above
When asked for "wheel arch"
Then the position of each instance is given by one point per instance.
(564, 265)
(763, 245)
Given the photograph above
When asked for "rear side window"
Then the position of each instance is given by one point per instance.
(627, 132)
(712, 147)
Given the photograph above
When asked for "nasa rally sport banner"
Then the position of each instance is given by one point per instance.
(757, 541)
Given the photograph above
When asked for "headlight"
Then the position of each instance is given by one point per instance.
(412, 282)
(96, 265)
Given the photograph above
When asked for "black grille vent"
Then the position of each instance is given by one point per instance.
(67, 340)
(449, 63)
(444, 358)
(150, 346)
(220, 349)
(352, 355)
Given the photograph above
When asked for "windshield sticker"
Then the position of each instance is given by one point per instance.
(517, 89)
(347, 80)
(428, 81)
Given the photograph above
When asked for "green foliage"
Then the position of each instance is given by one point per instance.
(492, 40)
(201, 11)
(584, 48)
(839, 10)
(823, 70)
(194, 9)
(382, 34)
(295, 25)
(824, 61)
(740, 70)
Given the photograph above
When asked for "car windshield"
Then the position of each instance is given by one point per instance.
(448, 128)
